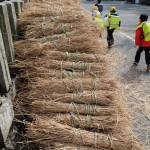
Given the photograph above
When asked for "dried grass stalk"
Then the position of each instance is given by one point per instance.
(46, 107)
(77, 44)
(59, 146)
(94, 123)
(72, 85)
(81, 44)
(103, 98)
(65, 2)
(50, 8)
(33, 73)
(95, 68)
(35, 14)
(55, 55)
(24, 22)
(50, 28)
(45, 131)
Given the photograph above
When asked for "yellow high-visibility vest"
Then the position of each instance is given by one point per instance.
(100, 22)
(146, 29)
(114, 22)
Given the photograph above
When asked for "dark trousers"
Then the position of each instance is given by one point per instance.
(147, 54)
(110, 38)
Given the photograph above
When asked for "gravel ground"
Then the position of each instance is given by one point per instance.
(135, 81)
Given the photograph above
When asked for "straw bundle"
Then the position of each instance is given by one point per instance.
(49, 3)
(94, 123)
(45, 14)
(33, 73)
(50, 28)
(29, 42)
(72, 42)
(57, 1)
(51, 131)
(24, 22)
(72, 85)
(59, 146)
(49, 9)
(62, 56)
(46, 107)
(79, 44)
(103, 98)
(94, 68)
(76, 148)
(37, 11)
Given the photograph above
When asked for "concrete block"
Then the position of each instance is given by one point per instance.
(5, 80)
(6, 33)
(18, 6)
(12, 18)
(6, 118)
(4, 58)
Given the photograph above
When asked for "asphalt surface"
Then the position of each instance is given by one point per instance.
(129, 13)
(134, 81)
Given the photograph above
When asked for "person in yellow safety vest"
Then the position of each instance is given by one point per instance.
(100, 22)
(95, 10)
(112, 22)
(142, 40)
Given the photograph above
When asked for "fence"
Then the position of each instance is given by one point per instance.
(9, 11)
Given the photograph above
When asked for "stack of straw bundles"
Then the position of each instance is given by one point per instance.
(52, 132)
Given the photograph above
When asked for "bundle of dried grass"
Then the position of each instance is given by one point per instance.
(55, 13)
(47, 107)
(48, 3)
(24, 22)
(94, 123)
(59, 146)
(103, 98)
(57, 1)
(28, 54)
(81, 44)
(50, 28)
(29, 42)
(94, 68)
(49, 9)
(72, 85)
(32, 73)
(52, 132)
(75, 43)
(76, 148)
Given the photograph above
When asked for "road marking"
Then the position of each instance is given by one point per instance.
(127, 36)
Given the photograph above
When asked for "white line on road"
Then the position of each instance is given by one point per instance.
(127, 36)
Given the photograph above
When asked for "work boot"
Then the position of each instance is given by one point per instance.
(148, 68)
(135, 64)
(109, 44)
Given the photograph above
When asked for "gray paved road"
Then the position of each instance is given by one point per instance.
(129, 13)
(135, 81)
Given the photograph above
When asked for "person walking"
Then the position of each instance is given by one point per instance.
(142, 40)
(100, 6)
(100, 22)
(112, 22)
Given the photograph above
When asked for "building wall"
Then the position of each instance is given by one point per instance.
(145, 2)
